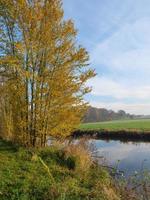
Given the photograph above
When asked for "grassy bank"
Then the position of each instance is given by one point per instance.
(118, 125)
(124, 130)
(52, 173)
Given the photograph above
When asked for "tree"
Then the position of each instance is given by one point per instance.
(43, 72)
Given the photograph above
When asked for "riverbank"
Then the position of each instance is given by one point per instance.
(124, 130)
(122, 135)
(52, 174)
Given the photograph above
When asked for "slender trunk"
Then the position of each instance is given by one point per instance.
(32, 111)
(27, 104)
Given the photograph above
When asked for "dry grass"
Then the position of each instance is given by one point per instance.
(80, 152)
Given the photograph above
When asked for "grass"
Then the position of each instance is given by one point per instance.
(52, 174)
(131, 125)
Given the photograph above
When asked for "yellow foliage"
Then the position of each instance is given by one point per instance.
(42, 71)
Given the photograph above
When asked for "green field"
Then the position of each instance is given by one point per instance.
(138, 125)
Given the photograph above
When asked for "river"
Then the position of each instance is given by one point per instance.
(129, 157)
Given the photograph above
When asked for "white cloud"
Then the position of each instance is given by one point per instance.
(108, 87)
(132, 108)
(138, 59)
(127, 54)
(127, 49)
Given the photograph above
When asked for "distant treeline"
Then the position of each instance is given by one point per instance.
(102, 114)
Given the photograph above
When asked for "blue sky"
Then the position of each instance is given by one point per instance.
(117, 35)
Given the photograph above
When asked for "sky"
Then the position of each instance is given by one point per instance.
(116, 34)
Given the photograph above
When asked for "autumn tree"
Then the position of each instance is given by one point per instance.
(43, 72)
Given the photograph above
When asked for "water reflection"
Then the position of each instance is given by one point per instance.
(132, 157)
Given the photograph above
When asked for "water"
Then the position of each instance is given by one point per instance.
(129, 157)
